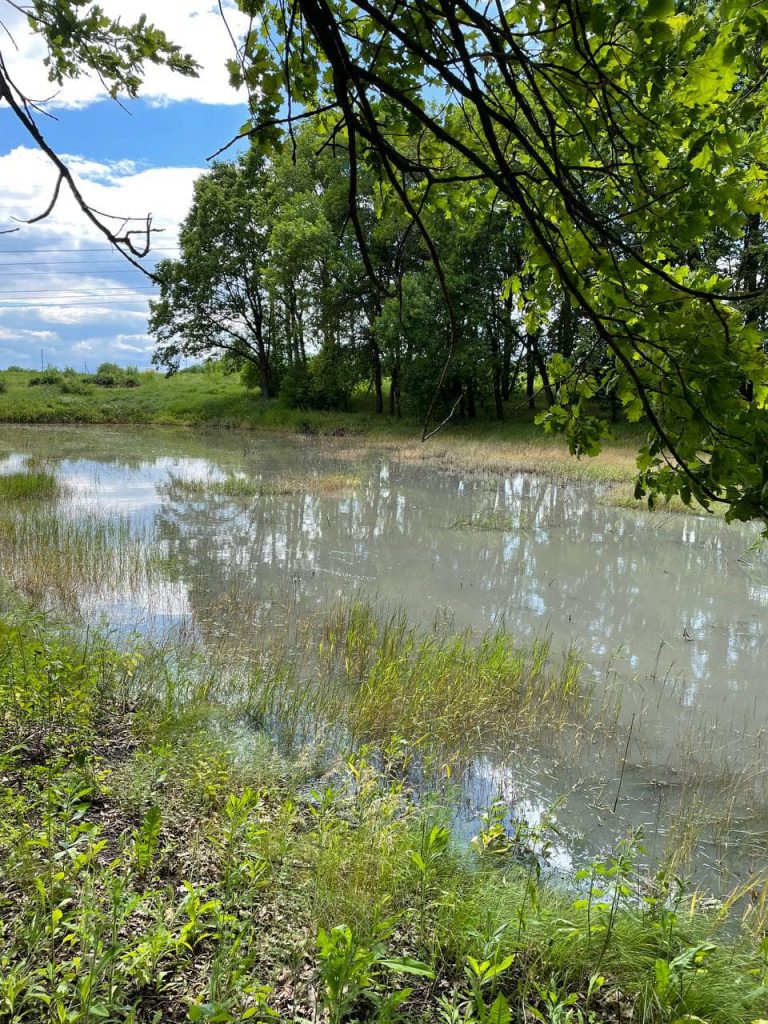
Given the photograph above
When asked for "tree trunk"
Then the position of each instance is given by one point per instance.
(749, 273)
(530, 374)
(496, 375)
(538, 362)
(377, 382)
(394, 391)
(470, 392)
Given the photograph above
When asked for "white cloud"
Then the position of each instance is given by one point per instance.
(120, 189)
(20, 333)
(195, 25)
(61, 313)
(68, 289)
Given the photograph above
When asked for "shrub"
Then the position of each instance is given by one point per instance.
(326, 382)
(3, 385)
(49, 378)
(109, 370)
(73, 386)
(108, 380)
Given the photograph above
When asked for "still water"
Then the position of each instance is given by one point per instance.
(670, 610)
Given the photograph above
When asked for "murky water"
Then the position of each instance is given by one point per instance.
(672, 609)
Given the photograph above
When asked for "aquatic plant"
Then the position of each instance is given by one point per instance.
(29, 485)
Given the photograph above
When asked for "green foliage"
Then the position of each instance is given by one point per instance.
(50, 377)
(326, 381)
(108, 380)
(82, 39)
(147, 840)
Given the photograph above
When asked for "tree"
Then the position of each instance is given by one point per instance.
(622, 133)
(214, 300)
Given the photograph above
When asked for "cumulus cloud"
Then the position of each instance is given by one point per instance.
(60, 283)
(195, 25)
(119, 188)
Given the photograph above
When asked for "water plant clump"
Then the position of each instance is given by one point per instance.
(153, 866)
(29, 485)
(240, 486)
(50, 555)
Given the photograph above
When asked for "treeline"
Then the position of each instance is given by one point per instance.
(435, 309)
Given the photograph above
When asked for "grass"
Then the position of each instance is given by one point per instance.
(51, 556)
(156, 867)
(26, 486)
(245, 487)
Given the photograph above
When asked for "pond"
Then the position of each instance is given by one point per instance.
(669, 612)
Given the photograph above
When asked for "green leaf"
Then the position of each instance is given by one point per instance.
(660, 9)
(499, 1011)
(406, 965)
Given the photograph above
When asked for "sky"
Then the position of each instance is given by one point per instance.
(66, 298)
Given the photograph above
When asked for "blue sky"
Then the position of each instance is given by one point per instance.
(65, 297)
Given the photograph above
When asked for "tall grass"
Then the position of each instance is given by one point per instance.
(452, 690)
(29, 485)
(49, 554)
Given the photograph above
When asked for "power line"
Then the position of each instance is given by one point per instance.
(72, 293)
(32, 304)
(80, 273)
(116, 252)
(72, 263)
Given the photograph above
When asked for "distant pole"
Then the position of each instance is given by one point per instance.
(41, 361)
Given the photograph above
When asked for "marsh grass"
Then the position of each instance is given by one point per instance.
(618, 496)
(444, 688)
(493, 520)
(29, 485)
(248, 487)
(49, 554)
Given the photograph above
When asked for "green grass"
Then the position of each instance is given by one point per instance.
(157, 867)
(50, 556)
(29, 485)
(185, 399)
(217, 401)
(245, 487)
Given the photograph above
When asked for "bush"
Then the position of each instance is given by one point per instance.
(73, 386)
(108, 380)
(109, 370)
(3, 385)
(49, 378)
(326, 382)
